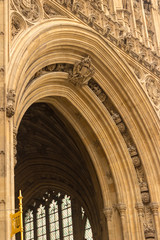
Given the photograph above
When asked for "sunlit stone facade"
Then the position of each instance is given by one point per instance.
(80, 117)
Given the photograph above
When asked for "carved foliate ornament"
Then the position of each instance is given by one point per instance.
(82, 72)
(149, 232)
(153, 90)
(136, 161)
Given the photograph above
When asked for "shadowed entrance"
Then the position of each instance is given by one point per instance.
(56, 175)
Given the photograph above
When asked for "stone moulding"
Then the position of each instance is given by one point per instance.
(102, 21)
(81, 73)
(141, 178)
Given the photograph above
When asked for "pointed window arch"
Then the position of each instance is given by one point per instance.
(51, 218)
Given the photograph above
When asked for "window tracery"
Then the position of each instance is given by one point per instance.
(51, 218)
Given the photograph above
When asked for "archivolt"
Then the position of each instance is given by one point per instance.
(61, 40)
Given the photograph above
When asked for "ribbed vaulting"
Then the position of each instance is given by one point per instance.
(51, 157)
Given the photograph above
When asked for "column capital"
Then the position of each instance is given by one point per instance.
(122, 209)
(154, 207)
(108, 213)
(140, 208)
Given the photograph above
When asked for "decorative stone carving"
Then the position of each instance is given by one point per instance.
(101, 16)
(30, 9)
(153, 90)
(96, 4)
(136, 161)
(149, 231)
(15, 27)
(97, 90)
(121, 126)
(59, 67)
(122, 209)
(144, 187)
(17, 24)
(116, 117)
(140, 209)
(137, 71)
(132, 149)
(82, 72)
(49, 10)
(15, 144)
(154, 208)
(108, 213)
(10, 103)
(145, 197)
(77, 6)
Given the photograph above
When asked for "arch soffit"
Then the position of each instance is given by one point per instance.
(78, 103)
(121, 167)
(51, 32)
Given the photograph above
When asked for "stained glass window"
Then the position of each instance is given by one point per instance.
(52, 218)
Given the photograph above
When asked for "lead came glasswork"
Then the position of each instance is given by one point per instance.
(67, 218)
(52, 216)
(41, 223)
(29, 232)
(54, 220)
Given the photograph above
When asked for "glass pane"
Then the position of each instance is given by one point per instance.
(54, 221)
(88, 231)
(29, 232)
(41, 223)
(67, 218)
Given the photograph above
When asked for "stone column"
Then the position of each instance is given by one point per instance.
(145, 25)
(2, 124)
(154, 208)
(122, 211)
(108, 215)
(140, 210)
